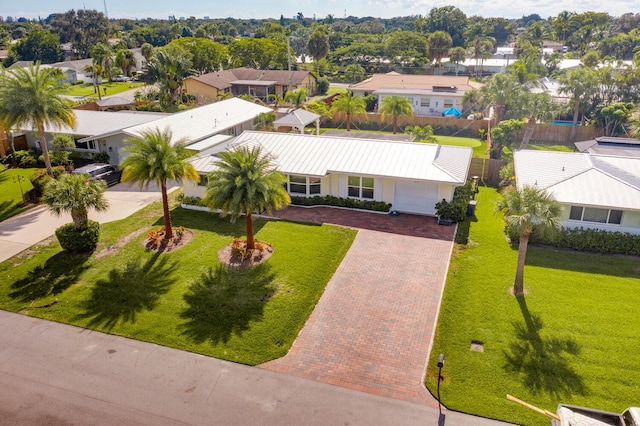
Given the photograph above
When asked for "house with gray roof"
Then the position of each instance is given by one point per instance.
(411, 176)
(596, 190)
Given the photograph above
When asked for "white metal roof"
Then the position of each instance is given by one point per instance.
(198, 123)
(321, 155)
(91, 123)
(582, 178)
(299, 117)
(208, 142)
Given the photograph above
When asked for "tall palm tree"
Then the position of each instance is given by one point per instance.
(33, 96)
(74, 194)
(349, 105)
(169, 67)
(264, 121)
(246, 181)
(522, 208)
(439, 44)
(456, 55)
(537, 107)
(95, 69)
(581, 84)
(395, 106)
(500, 90)
(476, 34)
(102, 53)
(125, 60)
(154, 157)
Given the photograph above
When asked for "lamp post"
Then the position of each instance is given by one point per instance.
(19, 179)
(440, 365)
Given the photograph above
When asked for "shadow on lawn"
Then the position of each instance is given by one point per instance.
(225, 301)
(53, 277)
(207, 221)
(543, 362)
(578, 261)
(128, 291)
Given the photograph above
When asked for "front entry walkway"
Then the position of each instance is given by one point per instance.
(373, 327)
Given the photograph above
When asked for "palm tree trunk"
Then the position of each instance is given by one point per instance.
(251, 243)
(518, 283)
(576, 111)
(528, 132)
(80, 218)
(348, 122)
(168, 230)
(45, 149)
(14, 159)
(395, 124)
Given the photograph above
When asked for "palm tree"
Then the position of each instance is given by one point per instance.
(439, 44)
(354, 73)
(169, 67)
(297, 98)
(102, 53)
(74, 194)
(154, 157)
(537, 107)
(125, 60)
(500, 90)
(33, 96)
(349, 104)
(456, 55)
(264, 121)
(95, 69)
(581, 84)
(476, 34)
(522, 208)
(396, 106)
(244, 182)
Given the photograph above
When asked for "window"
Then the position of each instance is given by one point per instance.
(302, 185)
(425, 102)
(88, 145)
(360, 187)
(592, 214)
(204, 180)
(448, 103)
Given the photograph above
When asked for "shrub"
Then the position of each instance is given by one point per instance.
(330, 200)
(456, 209)
(322, 85)
(79, 240)
(58, 158)
(40, 178)
(101, 157)
(77, 158)
(191, 201)
(26, 158)
(586, 239)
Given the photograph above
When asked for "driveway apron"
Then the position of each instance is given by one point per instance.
(372, 329)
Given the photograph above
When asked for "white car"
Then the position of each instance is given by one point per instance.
(121, 77)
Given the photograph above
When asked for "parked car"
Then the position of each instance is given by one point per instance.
(121, 77)
(103, 171)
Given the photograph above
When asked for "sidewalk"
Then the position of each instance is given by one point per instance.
(54, 373)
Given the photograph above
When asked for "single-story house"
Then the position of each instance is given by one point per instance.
(104, 131)
(242, 81)
(413, 177)
(595, 190)
(429, 94)
(609, 145)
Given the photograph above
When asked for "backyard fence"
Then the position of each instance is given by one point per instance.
(487, 169)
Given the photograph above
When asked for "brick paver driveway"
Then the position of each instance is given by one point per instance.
(373, 326)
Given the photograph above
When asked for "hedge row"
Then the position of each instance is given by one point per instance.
(329, 200)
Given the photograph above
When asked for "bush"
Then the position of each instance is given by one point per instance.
(456, 209)
(79, 240)
(26, 158)
(40, 178)
(58, 158)
(330, 200)
(77, 158)
(585, 239)
(322, 85)
(101, 157)
(191, 201)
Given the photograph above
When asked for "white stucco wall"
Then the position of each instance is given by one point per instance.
(630, 222)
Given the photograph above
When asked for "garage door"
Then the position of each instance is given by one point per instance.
(415, 197)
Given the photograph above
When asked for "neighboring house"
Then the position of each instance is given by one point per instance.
(74, 70)
(609, 145)
(429, 94)
(595, 190)
(413, 177)
(103, 131)
(243, 81)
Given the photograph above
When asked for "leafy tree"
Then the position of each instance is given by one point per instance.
(38, 45)
(322, 85)
(147, 51)
(246, 181)
(155, 157)
(591, 59)
(439, 44)
(563, 24)
(206, 55)
(503, 134)
(75, 194)
(395, 106)
(259, 53)
(456, 55)
(449, 19)
(125, 60)
(422, 134)
(613, 117)
(83, 29)
(522, 209)
(405, 46)
(580, 84)
(264, 121)
(354, 73)
(96, 70)
(33, 96)
(349, 105)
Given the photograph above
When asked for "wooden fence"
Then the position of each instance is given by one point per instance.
(560, 134)
(487, 169)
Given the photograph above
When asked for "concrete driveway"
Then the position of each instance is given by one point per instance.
(21, 232)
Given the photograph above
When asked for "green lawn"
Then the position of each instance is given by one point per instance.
(336, 89)
(479, 146)
(573, 338)
(183, 299)
(10, 194)
(112, 88)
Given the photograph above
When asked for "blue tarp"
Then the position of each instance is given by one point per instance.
(452, 111)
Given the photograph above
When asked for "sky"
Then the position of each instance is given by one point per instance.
(141, 9)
